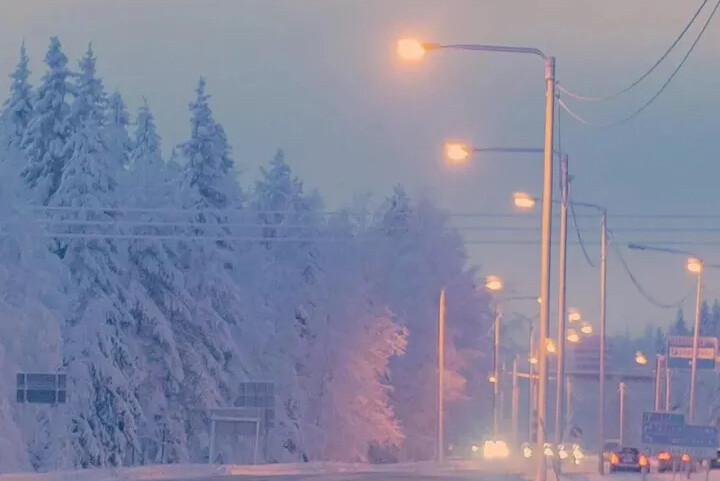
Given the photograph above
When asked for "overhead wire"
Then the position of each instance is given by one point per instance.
(652, 99)
(641, 289)
(647, 73)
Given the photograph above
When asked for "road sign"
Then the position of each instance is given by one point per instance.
(668, 432)
(680, 352)
(41, 388)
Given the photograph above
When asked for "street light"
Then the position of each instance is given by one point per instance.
(586, 328)
(494, 284)
(414, 49)
(523, 200)
(694, 265)
(573, 315)
(573, 336)
(411, 49)
(640, 358)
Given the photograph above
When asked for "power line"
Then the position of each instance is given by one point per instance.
(640, 288)
(657, 94)
(646, 74)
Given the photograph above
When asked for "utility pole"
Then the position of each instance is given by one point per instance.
(515, 403)
(441, 380)
(622, 414)
(562, 317)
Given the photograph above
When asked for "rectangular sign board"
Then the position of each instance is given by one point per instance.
(680, 352)
(41, 388)
(668, 432)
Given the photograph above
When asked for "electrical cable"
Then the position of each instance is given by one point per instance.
(657, 94)
(646, 74)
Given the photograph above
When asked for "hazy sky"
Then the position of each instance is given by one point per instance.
(319, 78)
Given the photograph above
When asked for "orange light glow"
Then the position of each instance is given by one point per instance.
(456, 153)
(493, 283)
(640, 358)
(533, 360)
(664, 456)
(694, 265)
(550, 346)
(492, 379)
(586, 328)
(410, 49)
(573, 315)
(685, 458)
(643, 461)
(523, 200)
(573, 336)
(614, 459)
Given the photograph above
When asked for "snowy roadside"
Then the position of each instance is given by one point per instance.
(204, 471)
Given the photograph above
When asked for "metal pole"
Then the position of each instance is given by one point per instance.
(568, 399)
(658, 357)
(603, 281)
(496, 374)
(532, 385)
(668, 392)
(540, 467)
(441, 380)
(696, 333)
(515, 402)
(562, 271)
(211, 455)
(622, 414)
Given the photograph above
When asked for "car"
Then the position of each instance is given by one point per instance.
(628, 459)
(664, 461)
(610, 446)
(715, 463)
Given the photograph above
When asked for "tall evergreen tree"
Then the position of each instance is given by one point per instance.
(117, 120)
(17, 109)
(679, 327)
(100, 355)
(47, 130)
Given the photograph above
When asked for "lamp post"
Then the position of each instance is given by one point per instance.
(413, 50)
(695, 265)
(441, 380)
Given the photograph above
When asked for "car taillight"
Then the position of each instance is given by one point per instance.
(614, 459)
(664, 457)
(643, 461)
(685, 458)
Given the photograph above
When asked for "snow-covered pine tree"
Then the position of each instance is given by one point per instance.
(155, 280)
(16, 113)
(208, 336)
(100, 354)
(116, 123)
(47, 129)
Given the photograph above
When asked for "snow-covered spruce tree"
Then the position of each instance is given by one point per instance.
(34, 293)
(16, 113)
(116, 123)
(47, 129)
(288, 264)
(159, 286)
(100, 354)
(217, 323)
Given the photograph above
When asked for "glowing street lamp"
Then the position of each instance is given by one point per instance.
(523, 200)
(411, 49)
(586, 328)
(456, 153)
(573, 336)
(574, 315)
(550, 346)
(640, 358)
(493, 283)
(694, 265)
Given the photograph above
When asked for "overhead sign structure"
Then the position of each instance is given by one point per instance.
(668, 432)
(680, 352)
(41, 388)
